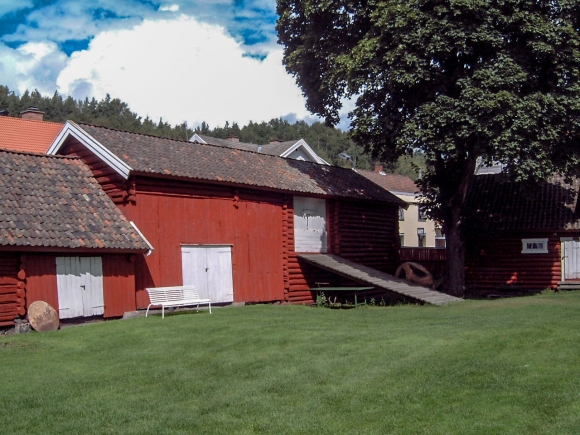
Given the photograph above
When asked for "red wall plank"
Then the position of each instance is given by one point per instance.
(41, 279)
(118, 284)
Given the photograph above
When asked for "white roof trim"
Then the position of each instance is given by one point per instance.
(197, 138)
(151, 248)
(302, 143)
(72, 129)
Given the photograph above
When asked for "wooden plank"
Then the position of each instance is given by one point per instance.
(377, 278)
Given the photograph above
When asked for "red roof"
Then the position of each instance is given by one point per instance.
(26, 135)
(391, 182)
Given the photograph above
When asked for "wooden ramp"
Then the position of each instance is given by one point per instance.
(378, 279)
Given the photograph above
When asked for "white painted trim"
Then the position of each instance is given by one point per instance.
(302, 143)
(72, 129)
(197, 138)
(544, 250)
(151, 248)
(213, 245)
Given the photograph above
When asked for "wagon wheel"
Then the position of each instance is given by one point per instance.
(415, 273)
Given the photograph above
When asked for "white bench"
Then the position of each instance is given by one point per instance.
(177, 296)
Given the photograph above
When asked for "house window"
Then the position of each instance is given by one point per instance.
(422, 237)
(534, 246)
(422, 214)
(401, 214)
(402, 239)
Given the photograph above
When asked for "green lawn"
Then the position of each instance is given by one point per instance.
(509, 366)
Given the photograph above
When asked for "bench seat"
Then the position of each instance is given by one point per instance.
(175, 296)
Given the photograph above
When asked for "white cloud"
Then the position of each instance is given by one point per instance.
(183, 70)
(34, 65)
(170, 8)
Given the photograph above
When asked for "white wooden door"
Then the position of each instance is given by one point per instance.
(209, 269)
(310, 234)
(80, 286)
(570, 259)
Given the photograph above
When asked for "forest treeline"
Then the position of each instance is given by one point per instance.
(327, 142)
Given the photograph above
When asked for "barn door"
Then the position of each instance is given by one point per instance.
(80, 286)
(310, 234)
(570, 259)
(209, 269)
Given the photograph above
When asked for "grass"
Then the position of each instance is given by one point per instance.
(508, 366)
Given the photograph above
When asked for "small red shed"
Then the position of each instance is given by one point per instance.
(521, 237)
(62, 240)
(232, 221)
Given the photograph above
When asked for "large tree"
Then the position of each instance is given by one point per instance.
(460, 80)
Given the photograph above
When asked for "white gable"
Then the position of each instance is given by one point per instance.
(72, 129)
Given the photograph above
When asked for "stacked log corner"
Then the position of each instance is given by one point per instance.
(12, 288)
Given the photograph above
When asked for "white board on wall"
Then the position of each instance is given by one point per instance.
(310, 231)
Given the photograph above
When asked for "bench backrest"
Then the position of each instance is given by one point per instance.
(159, 295)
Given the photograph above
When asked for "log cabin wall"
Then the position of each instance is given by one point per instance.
(172, 213)
(12, 288)
(496, 263)
(366, 233)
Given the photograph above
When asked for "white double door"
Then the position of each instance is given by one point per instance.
(209, 269)
(80, 286)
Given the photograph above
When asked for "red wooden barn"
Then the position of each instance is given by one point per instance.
(521, 237)
(62, 240)
(232, 221)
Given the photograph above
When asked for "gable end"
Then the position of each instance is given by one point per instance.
(73, 130)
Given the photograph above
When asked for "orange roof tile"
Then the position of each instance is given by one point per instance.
(26, 135)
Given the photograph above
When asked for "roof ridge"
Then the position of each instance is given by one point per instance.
(132, 132)
(204, 144)
(34, 120)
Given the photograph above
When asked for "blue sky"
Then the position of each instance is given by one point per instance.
(183, 60)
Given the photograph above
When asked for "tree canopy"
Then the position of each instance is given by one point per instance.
(458, 80)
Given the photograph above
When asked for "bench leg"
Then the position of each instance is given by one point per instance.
(209, 305)
(163, 311)
(147, 312)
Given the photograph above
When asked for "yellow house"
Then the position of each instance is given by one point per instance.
(415, 229)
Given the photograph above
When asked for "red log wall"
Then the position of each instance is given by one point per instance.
(12, 295)
(495, 263)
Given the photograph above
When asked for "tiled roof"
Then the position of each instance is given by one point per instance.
(496, 204)
(274, 149)
(55, 202)
(27, 135)
(155, 155)
(391, 182)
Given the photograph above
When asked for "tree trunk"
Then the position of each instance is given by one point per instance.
(454, 281)
(451, 210)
